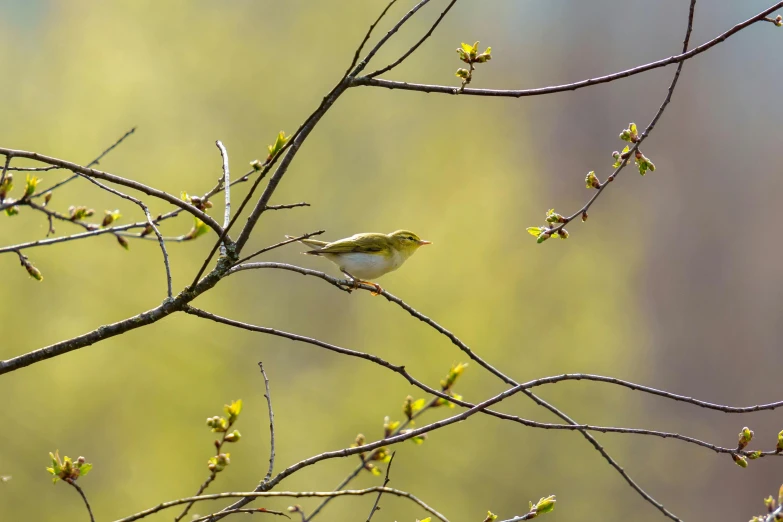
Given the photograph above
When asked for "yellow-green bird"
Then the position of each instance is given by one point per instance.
(367, 256)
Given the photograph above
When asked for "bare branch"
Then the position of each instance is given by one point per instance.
(443, 89)
(385, 483)
(284, 494)
(289, 205)
(96, 161)
(227, 187)
(250, 511)
(271, 425)
(149, 222)
(367, 37)
(281, 243)
(415, 46)
(84, 497)
(359, 68)
(93, 173)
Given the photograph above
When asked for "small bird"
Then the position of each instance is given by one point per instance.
(369, 255)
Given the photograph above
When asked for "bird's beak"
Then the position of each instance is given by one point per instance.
(423, 242)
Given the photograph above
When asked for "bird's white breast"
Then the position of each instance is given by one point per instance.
(366, 266)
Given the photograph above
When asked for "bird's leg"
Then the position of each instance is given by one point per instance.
(357, 282)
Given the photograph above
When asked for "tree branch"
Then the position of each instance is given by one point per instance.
(271, 424)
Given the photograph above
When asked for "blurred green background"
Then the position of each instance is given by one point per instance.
(675, 281)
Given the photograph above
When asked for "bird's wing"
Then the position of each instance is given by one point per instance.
(359, 243)
(310, 242)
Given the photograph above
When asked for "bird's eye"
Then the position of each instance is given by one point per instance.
(411, 238)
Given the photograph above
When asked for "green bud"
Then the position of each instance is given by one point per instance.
(591, 180)
(31, 182)
(545, 505)
(47, 197)
(110, 217)
(754, 455)
(779, 447)
(491, 517)
(745, 436)
(407, 407)
(778, 20)
(463, 73)
(234, 436)
(739, 460)
(12, 211)
(123, 242)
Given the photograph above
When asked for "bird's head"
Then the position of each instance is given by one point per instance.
(406, 241)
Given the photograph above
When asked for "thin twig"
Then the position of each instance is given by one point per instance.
(212, 476)
(284, 494)
(271, 424)
(385, 483)
(227, 188)
(151, 223)
(250, 511)
(96, 161)
(359, 68)
(287, 206)
(416, 46)
(281, 243)
(367, 37)
(84, 497)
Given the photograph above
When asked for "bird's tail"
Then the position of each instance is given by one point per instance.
(312, 243)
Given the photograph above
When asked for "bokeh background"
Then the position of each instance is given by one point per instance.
(674, 282)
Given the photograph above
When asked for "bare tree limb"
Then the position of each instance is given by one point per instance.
(283, 494)
(268, 396)
(84, 497)
(227, 187)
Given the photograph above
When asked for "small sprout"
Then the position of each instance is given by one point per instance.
(534, 231)
(389, 426)
(770, 504)
(13, 210)
(643, 163)
(147, 231)
(233, 410)
(66, 469)
(462, 73)
(754, 455)
(219, 462)
(34, 272)
(199, 229)
(554, 217)
(739, 460)
(779, 447)
(234, 436)
(630, 134)
(424, 520)
(470, 55)
(620, 156)
(47, 197)
(110, 217)
(218, 424)
(381, 455)
(31, 182)
(278, 145)
(407, 407)
(745, 436)
(491, 517)
(78, 213)
(6, 186)
(543, 236)
(359, 441)
(123, 242)
(452, 376)
(591, 180)
(544, 505)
